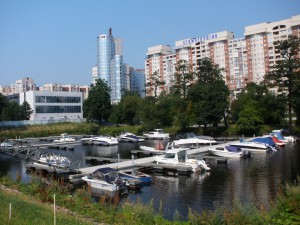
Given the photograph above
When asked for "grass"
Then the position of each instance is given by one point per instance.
(26, 211)
(34, 207)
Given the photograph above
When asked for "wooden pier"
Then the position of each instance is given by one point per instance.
(100, 160)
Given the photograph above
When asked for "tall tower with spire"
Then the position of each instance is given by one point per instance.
(110, 66)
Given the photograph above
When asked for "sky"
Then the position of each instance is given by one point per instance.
(54, 41)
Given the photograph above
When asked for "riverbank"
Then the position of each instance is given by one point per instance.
(33, 204)
(94, 129)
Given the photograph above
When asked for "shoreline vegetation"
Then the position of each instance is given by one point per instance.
(32, 203)
(94, 129)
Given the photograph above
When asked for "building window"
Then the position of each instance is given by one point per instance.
(58, 109)
(57, 99)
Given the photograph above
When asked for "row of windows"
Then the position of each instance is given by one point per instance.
(57, 99)
(58, 109)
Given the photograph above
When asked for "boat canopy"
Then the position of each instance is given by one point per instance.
(265, 140)
(106, 174)
(233, 148)
(103, 170)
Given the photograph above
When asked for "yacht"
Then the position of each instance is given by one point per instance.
(157, 134)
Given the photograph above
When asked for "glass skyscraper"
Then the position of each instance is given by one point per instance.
(110, 66)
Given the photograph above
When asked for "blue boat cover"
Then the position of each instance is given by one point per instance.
(104, 170)
(233, 148)
(265, 140)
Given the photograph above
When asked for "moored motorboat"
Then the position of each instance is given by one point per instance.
(54, 160)
(253, 146)
(129, 137)
(105, 181)
(190, 139)
(6, 145)
(158, 149)
(229, 151)
(134, 174)
(178, 156)
(104, 140)
(278, 142)
(285, 138)
(64, 138)
(156, 134)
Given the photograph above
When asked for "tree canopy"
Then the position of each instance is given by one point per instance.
(209, 94)
(97, 107)
(285, 74)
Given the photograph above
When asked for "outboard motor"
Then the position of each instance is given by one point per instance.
(203, 164)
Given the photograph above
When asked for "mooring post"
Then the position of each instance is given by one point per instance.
(54, 221)
(132, 156)
(9, 216)
(118, 157)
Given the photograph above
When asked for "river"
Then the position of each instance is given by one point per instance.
(257, 179)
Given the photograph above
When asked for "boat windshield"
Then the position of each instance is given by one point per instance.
(113, 175)
(170, 155)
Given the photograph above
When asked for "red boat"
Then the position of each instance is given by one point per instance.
(278, 142)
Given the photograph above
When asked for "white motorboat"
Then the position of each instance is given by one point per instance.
(87, 140)
(135, 174)
(64, 138)
(253, 146)
(129, 137)
(105, 181)
(228, 151)
(53, 160)
(156, 134)
(6, 145)
(285, 138)
(104, 140)
(178, 156)
(158, 149)
(190, 139)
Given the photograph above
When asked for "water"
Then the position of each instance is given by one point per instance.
(255, 179)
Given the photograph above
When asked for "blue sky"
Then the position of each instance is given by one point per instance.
(54, 41)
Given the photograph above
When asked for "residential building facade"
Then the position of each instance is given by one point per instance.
(244, 60)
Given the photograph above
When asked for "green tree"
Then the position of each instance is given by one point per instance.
(97, 107)
(153, 83)
(147, 113)
(249, 120)
(11, 112)
(285, 74)
(183, 78)
(270, 108)
(164, 110)
(3, 104)
(25, 111)
(209, 95)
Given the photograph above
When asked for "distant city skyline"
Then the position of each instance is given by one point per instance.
(56, 41)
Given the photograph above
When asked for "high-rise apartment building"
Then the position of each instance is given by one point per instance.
(110, 66)
(244, 59)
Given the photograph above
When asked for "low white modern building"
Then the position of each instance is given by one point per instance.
(51, 106)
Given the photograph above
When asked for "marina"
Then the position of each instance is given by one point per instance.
(176, 187)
